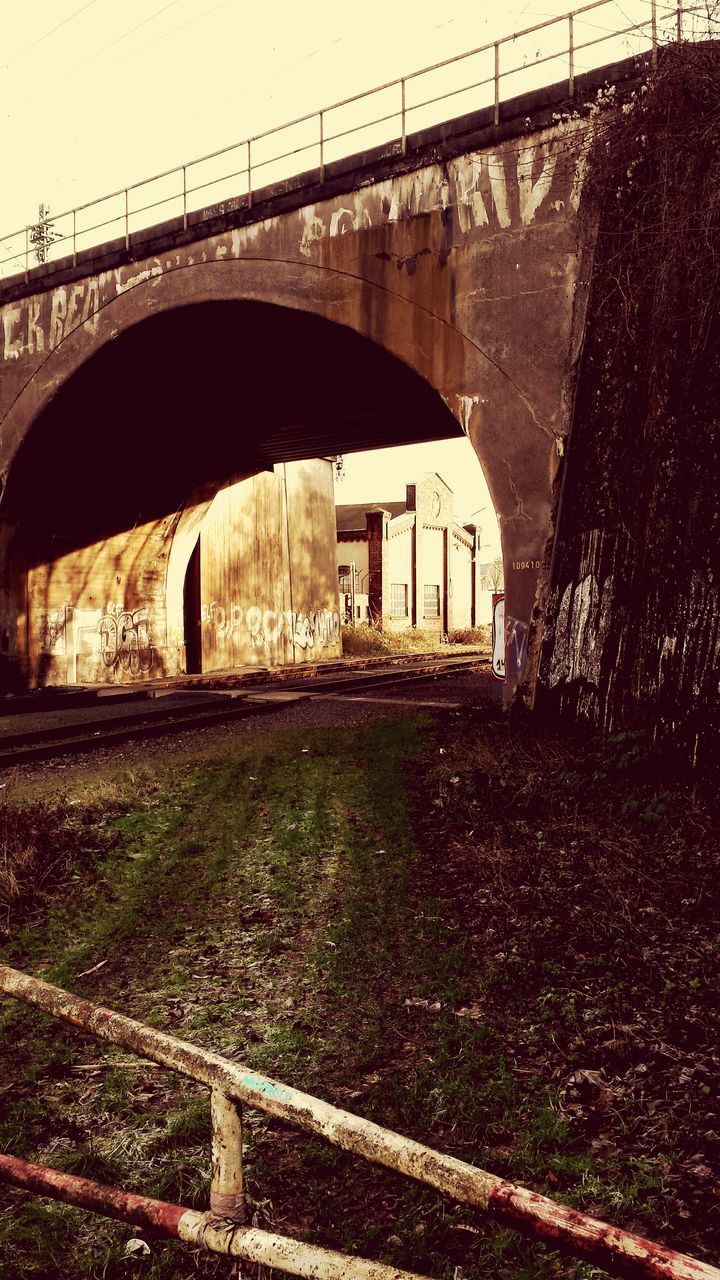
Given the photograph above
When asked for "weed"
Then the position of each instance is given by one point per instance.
(371, 640)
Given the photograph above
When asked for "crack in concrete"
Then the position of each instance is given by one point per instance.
(520, 513)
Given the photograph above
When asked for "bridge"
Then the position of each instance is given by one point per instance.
(430, 286)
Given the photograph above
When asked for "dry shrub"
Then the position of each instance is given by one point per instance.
(370, 640)
(36, 851)
(16, 869)
(472, 635)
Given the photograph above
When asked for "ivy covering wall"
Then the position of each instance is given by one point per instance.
(633, 631)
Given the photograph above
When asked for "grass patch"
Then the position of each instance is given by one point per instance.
(497, 942)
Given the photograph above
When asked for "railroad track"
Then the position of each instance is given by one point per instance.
(59, 729)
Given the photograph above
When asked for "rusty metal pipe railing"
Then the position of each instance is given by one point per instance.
(207, 1231)
(619, 1252)
(494, 46)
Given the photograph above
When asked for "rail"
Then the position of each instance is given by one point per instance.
(223, 1231)
(314, 137)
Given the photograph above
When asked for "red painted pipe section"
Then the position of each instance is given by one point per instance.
(141, 1211)
(617, 1251)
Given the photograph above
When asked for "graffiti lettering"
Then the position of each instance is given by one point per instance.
(532, 193)
(481, 171)
(73, 311)
(13, 345)
(581, 630)
(58, 313)
(35, 335)
(516, 636)
(517, 644)
(51, 631)
(125, 641)
(26, 330)
(259, 627)
(119, 638)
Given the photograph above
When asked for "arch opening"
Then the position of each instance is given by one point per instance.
(171, 507)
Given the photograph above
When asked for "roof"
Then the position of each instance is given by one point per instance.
(352, 516)
(432, 475)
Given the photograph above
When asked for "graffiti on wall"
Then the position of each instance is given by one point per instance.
(34, 327)
(581, 630)
(117, 637)
(51, 631)
(261, 627)
(517, 634)
(125, 641)
(488, 190)
(493, 190)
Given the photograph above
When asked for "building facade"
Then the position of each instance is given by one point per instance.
(411, 563)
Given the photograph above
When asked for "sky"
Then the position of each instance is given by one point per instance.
(381, 476)
(98, 94)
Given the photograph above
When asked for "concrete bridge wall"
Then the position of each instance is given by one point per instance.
(243, 578)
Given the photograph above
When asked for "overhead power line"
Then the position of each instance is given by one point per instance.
(130, 31)
(200, 17)
(46, 34)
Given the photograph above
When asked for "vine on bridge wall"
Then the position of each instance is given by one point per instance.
(634, 607)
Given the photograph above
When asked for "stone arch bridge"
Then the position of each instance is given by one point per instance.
(404, 297)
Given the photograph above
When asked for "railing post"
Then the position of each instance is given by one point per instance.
(27, 254)
(571, 58)
(678, 18)
(322, 147)
(403, 118)
(249, 172)
(74, 237)
(653, 23)
(127, 221)
(185, 217)
(497, 82)
(227, 1199)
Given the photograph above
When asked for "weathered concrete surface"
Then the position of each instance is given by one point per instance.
(277, 602)
(467, 271)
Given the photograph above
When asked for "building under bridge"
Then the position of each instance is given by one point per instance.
(410, 563)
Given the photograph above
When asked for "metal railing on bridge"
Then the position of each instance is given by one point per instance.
(558, 49)
(224, 1231)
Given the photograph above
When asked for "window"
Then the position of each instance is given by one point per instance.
(399, 599)
(432, 600)
(344, 583)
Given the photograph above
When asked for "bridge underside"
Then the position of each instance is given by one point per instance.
(153, 493)
(166, 410)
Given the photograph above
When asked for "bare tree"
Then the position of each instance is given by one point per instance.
(495, 578)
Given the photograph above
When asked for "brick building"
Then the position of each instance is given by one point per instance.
(415, 566)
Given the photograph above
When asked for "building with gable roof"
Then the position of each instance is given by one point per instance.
(410, 564)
